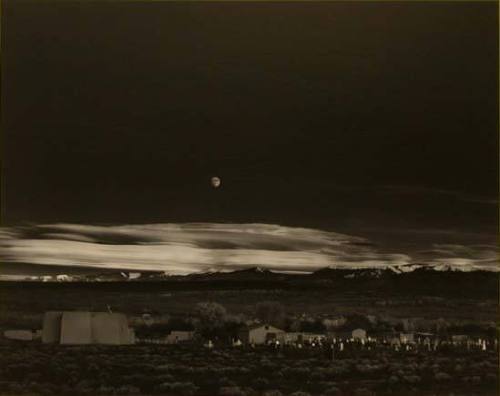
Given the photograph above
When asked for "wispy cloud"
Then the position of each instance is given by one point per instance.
(463, 257)
(184, 248)
(192, 247)
(457, 195)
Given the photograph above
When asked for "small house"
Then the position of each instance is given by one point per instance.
(425, 339)
(303, 338)
(259, 334)
(311, 338)
(359, 334)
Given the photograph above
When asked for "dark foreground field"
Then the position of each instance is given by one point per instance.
(33, 368)
(194, 370)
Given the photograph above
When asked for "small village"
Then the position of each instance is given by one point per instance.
(214, 328)
(268, 351)
(357, 340)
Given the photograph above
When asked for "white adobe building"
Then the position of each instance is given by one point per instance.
(81, 327)
(359, 334)
(261, 334)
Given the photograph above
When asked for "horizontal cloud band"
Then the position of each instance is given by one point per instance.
(195, 247)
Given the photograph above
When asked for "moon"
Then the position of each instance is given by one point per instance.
(215, 182)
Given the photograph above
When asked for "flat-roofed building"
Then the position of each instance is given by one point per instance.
(51, 331)
(359, 334)
(76, 328)
(261, 334)
(82, 327)
(111, 329)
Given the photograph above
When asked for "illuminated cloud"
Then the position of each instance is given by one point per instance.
(194, 247)
(462, 257)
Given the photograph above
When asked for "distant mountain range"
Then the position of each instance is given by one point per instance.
(89, 274)
(421, 281)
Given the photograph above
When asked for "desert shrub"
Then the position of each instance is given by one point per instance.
(164, 387)
(393, 379)
(185, 388)
(336, 371)
(412, 379)
(491, 377)
(261, 383)
(230, 370)
(178, 388)
(333, 391)
(128, 390)
(144, 382)
(106, 390)
(327, 384)
(83, 387)
(16, 388)
(297, 372)
(199, 371)
(368, 368)
(363, 392)
(32, 377)
(244, 371)
(226, 382)
(51, 389)
(34, 387)
(272, 392)
(318, 375)
(231, 391)
(441, 376)
(4, 385)
(165, 378)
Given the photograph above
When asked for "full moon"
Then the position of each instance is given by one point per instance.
(215, 181)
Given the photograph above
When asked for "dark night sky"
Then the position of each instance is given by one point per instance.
(368, 118)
